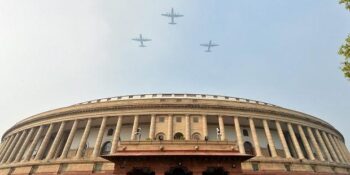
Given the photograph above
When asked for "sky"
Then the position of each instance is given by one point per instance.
(61, 52)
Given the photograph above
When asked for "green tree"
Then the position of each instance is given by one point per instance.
(345, 51)
(345, 48)
(346, 3)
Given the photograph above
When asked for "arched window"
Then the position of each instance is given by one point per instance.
(106, 148)
(248, 147)
(110, 132)
(160, 136)
(196, 136)
(179, 136)
(245, 132)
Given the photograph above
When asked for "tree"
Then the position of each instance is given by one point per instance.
(345, 51)
(345, 48)
(346, 3)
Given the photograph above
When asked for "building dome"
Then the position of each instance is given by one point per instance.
(173, 134)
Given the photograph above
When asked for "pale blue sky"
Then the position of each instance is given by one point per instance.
(57, 53)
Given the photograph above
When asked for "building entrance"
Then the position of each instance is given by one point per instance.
(215, 171)
(141, 171)
(178, 170)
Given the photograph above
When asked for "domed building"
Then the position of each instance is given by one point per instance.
(173, 134)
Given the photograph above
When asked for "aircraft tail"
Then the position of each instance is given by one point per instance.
(173, 23)
(142, 46)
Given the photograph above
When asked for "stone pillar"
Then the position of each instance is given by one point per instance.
(347, 153)
(6, 145)
(69, 140)
(34, 143)
(283, 140)
(24, 145)
(336, 149)
(323, 145)
(345, 150)
(99, 138)
(84, 139)
(44, 144)
(331, 149)
(309, 152)
(116, 134)
(134, 127)
(341, 150)
(205, 125)
(222, 127)
(269, 139)
(315, 144)
(170, 127)
(56, 141)
(255, 138)
(10, 148)
(17, 147)
(239, 135)
(60, 146)
(295, 141)
(9, 141)
(187, 127)
(152, 127)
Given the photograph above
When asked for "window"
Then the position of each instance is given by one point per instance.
(85, 148)
(178, 119)
(269, 150)
(161, 119)
(196, 136)
(179, 136)
(245, 132)
(255, 166)
(160, 136)
(106, 148)
(110, 132)
(248, 148)
(195, 119)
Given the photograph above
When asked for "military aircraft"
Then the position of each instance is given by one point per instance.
(141, 40)
(172, 15)
(209, 45)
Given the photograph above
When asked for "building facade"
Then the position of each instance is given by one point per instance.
(173, 134)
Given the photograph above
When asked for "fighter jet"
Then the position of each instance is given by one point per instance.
(209, 46)
(172, 15)
(141, 40)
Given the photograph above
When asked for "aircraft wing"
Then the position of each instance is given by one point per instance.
(144, 39)
(205, 45)
(177, 15)
(167, 14)
(136, 39)
(213, 45)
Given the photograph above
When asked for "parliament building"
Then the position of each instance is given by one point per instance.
(173, 134)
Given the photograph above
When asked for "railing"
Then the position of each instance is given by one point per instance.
(193, 96)
(177, 142)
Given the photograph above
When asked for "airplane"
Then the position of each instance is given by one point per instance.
(141, 40)
(209, 46)
(172, 15)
